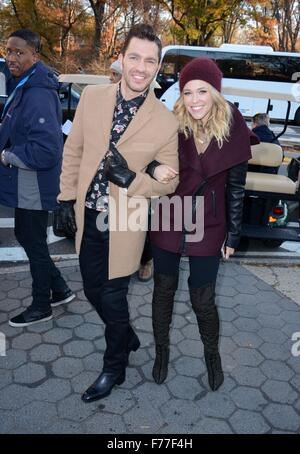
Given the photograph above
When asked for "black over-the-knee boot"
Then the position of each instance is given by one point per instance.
(203, 303)
(165, 287)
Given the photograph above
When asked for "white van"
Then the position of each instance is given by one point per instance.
(244, 66)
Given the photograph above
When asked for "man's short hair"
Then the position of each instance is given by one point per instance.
(261, 119)
(32, 39)
(142, 31)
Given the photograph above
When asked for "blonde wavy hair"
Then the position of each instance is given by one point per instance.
(217, 125)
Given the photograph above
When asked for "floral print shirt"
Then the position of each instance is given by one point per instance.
(98, 192)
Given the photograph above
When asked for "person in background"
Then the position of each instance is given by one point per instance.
(261, 128)
(115, 72)
(31, 147)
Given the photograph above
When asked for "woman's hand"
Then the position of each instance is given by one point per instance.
(228, 252)
(164, 173)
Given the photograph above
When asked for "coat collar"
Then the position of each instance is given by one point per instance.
(107, 105)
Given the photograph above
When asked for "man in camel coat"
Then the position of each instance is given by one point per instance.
(118, 130)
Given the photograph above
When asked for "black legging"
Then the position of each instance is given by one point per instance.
(203, 270)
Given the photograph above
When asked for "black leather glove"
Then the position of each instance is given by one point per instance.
(64, 223)
(151, 168)
(116, 169)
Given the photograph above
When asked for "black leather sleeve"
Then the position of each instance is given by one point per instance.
(151, 167)
(235, 191)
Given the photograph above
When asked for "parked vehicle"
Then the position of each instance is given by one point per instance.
(244, 67)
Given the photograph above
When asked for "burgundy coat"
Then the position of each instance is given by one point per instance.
(212, 166)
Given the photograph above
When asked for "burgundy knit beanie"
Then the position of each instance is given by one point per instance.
(201, 68)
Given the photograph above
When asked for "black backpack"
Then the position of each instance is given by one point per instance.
(293, 168)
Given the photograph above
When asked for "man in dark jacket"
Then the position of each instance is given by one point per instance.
(31, 154)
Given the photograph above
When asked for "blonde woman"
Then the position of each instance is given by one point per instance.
(214, 148)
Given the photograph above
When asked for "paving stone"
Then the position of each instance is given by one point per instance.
(184, 387)
(82, 381)
(19, 293)
(75, 286)
(29, 373)
(36, 416)
(178, 321)
(250, 311)
(248, 376)
(93, 362)
(247, 356)
(75, 276)
(246, 324)
(246, 300)
(45, 353)
(152, 394)
(145, 309)
(248, 398)
(191, 348)
(42, 327)
(226, 302)
(3, 318)
(67, 367)
(15, 396)
(228, 362)
(247, 339)
(270, 297)
(217, 405)
(26, 341)
(282, 417)
(69, 321)
(275, 351)
(57, 336)
(270, 321)
(10, 305)
(272, 335)
(227, 281)
(139, 289)
(147, 372)
(92, 317)
(78, 349)
(6, 378)
(192, 367)
(89, 331)
(79, 307)
(13, 359)
(191, 332)
(291, 316)
(104, 423)
(227, 314)
(181, 307)
(144, 324)
(181, 412)
(209, 426)
(227, 329)
(247, 422)
(226, 291)
(8, 285)
(279, 391)
(276, 370)
(53, 390)
(138, 358)
(63, 426)
(73, 408)
(269, 308)
(119, 402)
(7, 421)
(294, 363)
(227, 345)
(133, 378)
(143, 418)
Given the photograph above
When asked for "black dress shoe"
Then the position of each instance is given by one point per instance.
(103, 386)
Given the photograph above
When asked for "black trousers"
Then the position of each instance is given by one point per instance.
(108, 296)
(203, 270)
(31, 233)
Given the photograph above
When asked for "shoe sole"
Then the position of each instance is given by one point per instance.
(22, 325)
(67, 300)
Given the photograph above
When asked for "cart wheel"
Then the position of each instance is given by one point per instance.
(272, 243)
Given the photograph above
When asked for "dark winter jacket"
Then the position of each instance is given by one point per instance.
(221, 173)
(32, 137)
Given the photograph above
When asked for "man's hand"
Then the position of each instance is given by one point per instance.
(116, 169)
(64, 219)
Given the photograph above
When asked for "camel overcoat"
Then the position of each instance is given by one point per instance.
(151, 134)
